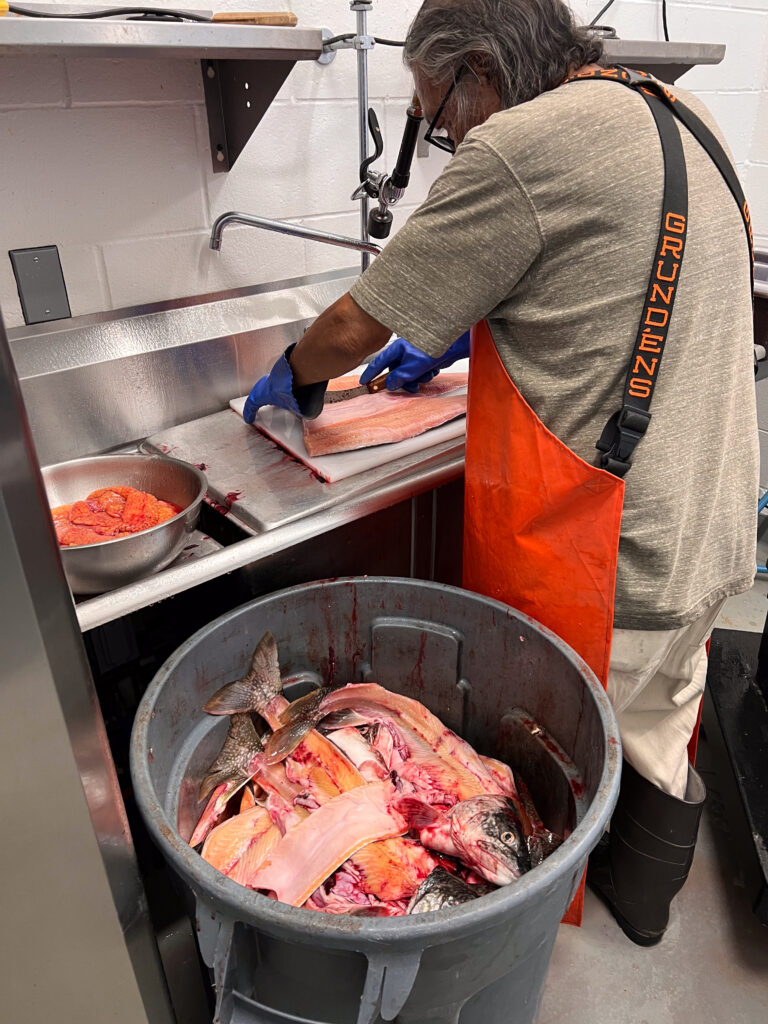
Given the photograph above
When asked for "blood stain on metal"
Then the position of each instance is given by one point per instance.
(216, 506)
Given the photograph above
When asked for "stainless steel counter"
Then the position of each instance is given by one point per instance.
(437, 467)
(167, 372)
(259, 485)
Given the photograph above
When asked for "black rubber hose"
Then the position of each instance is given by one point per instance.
(157, 12)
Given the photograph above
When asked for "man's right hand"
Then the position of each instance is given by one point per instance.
(409, 366)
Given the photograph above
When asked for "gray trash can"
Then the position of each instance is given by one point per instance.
(492, 674)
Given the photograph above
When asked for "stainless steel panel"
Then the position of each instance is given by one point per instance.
(99, 382)
(76, 940)
(259, 484)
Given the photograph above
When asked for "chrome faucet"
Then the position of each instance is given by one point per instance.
(283, 228)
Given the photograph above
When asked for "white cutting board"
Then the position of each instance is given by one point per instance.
(286, 430)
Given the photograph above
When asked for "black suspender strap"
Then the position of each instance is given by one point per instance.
(626, 428)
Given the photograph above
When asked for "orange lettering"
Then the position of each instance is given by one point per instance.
(673, 246)
(643, 364)
(639, 388)
(659, 293)
(661, 277)
(675, 222)
(663, 315)
(647, 342)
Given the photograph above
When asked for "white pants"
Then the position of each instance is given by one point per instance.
(655, 684)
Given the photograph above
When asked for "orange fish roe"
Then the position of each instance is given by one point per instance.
(108, 513)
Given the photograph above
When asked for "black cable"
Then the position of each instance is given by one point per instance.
(157, 12)
(601, 12)
(339, 39)
(664, 18)
(351, 35)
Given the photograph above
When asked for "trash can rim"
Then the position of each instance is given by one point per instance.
(418, 931)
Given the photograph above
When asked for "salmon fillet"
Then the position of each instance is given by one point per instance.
(385, 417)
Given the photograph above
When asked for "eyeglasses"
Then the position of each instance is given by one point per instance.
(443, 141)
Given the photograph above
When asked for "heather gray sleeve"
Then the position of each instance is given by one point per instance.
(459, 255)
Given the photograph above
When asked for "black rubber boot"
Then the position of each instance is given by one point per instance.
(641, 865)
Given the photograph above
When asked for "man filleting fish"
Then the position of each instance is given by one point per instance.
(591, 232)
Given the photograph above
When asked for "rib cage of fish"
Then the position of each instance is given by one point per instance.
(358, 801)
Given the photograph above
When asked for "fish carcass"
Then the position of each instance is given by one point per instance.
(358, 817)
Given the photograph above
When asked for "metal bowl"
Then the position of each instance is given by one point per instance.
(95, 568)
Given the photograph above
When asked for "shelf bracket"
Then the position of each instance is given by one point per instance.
(238, 94)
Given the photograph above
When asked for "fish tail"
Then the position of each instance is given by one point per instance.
(256, 689)
(284, 741)
(298, 719)
(233, 762)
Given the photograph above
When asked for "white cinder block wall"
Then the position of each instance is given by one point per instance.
(110, 160)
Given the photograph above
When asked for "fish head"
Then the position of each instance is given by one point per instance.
(440, 889)
(489, 833)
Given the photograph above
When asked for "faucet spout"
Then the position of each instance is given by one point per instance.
(284, 228)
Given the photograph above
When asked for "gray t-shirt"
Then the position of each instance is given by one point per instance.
(545, 222)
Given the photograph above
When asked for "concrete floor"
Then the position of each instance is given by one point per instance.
(712, 965)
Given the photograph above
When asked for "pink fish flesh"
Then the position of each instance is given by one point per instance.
(385, 417)
(311, 851)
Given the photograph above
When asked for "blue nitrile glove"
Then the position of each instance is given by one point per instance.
(277, 388)
(409, 366)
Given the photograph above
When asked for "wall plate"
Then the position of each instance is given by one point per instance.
(40, 282)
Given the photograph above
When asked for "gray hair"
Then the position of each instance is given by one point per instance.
(524, 47)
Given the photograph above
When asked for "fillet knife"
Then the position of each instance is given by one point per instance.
(372, 388)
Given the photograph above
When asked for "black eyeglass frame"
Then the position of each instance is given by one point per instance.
(446, 144)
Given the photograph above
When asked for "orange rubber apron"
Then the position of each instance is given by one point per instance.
(542, 525)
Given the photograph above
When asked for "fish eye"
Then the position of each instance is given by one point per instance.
(508, 838)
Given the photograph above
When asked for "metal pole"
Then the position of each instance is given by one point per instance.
(361, 8)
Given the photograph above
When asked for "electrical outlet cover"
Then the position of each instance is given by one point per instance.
(40, 281)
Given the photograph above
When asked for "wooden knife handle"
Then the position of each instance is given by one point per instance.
(379, 384)
(257, 18)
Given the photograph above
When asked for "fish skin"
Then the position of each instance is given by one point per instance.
(311, 851)
(443, 889)
(233, 760)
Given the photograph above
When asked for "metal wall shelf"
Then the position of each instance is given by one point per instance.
(243, 66)
(666, 61)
